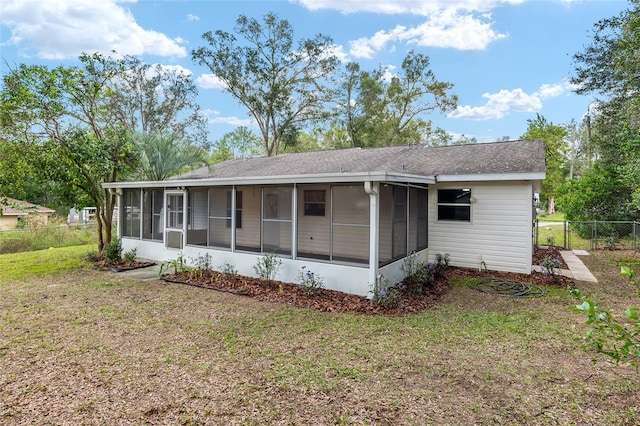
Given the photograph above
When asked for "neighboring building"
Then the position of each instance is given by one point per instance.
(13, 210)
(84, 216)
(352, 216)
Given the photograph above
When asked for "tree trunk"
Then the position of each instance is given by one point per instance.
(551, 205)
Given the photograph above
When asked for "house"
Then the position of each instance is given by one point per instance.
(352, 215)
(13, 212)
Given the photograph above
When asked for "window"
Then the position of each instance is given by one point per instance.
(454, 204)
(276, 220)
(350, 224)
(314, 202)
(238, 209)
(399, 223)
(152, 214)
(422, 226)
(131, 211)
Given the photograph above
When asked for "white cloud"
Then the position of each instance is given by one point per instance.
(547, 91)
(389, 73)
(213, 117)
(447, 28)
(504, 102)
(392, 7)
(210, 81)
(192, 18)
(178, 69)
(65, 28)
(499, 105)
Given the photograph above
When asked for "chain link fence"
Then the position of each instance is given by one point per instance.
(40, 238)
(592, 235)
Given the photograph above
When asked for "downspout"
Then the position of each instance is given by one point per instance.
(372, 188)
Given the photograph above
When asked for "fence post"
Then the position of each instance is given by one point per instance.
(564, 235)
(535, 232)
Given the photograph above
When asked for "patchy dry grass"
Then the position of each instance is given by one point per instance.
(91, 347)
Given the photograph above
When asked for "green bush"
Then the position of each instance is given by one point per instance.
(113, 253)
(267, 267)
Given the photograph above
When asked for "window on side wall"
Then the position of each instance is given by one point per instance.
(454, 204)
(314, 202)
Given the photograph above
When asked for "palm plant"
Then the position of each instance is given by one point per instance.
(163, 156)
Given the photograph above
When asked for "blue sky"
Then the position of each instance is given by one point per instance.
(508, 59)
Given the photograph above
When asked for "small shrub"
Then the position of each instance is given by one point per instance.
(411, 265)
(550, 267)
(387, 296)
(551, 240)
(309, 281)
(267, 267)
(130, 256)
(113, 252)
(203, 263)
(94, 257)
(229, 270)
(615, 337)
(178, 264)
(442, 263)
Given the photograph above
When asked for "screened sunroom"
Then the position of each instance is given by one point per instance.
(353, 215)
(318, 223)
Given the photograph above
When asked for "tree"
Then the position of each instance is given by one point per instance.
(379, 110)
(163, 156)
(75, 124)
(160, 100)
(243, 143)
(555, 153)
(283, 88)
(610, 68)
(62, 116)
(610, 65)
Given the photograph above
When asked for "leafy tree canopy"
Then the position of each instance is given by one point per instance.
(284, 87)
(378, 109)
(555, 153)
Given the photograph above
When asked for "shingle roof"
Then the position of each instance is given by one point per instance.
(24, 208)
(513, 157)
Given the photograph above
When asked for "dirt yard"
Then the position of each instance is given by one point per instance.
(91, 347)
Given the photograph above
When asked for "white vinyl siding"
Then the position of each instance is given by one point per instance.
(313, 231)
(248, 237)
(350, 223)
(499, 233)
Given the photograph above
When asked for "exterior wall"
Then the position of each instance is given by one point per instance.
(249, 235)
(8, 221)
(314, 232)
(393, 271)
(349, 279)
(499, 233)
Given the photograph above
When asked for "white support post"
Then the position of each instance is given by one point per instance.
(372, 188)
(294, 222)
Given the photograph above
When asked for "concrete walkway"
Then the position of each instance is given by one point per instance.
(148, 273)
(576, 270)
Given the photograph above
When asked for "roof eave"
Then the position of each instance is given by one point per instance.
(285, 179)
(491, 177)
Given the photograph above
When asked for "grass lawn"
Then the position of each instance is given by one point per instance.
(80, 346)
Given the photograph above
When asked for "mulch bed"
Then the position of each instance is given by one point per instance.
(335, 301)
(322, 300)
(121, 266)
